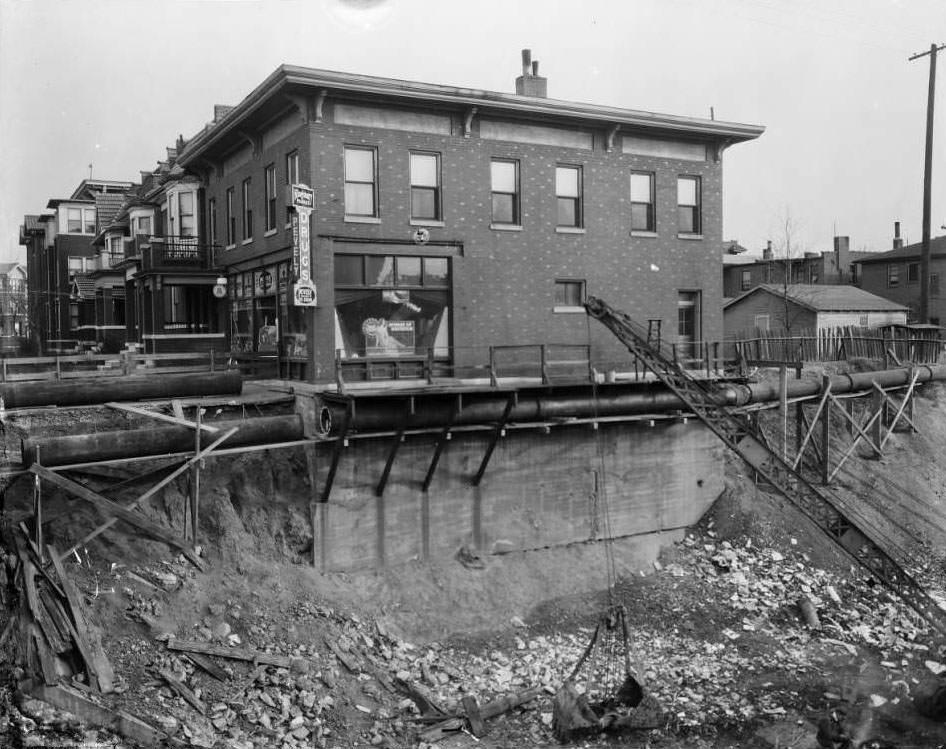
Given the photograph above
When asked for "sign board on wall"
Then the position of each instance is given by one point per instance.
(303, 202)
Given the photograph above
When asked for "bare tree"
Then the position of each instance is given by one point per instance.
(785, 248)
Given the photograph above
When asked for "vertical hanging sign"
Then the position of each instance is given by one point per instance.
(303, 289)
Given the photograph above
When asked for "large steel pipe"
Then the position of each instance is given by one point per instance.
(157, 441)
(90, 390)
(380, 413)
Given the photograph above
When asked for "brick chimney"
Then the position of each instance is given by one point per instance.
(897, 240)
(767, 252)
(842, 253)
(530, 83)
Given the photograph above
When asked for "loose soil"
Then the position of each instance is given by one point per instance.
(487, 625)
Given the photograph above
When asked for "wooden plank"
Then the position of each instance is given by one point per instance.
(154, 489)
(46, 661)
(192, 699)
(208, 665)
(178, 409)
(88, 712)
(477, 727)
(58, 617)
(180, 421)
(107, 506)
(97, 665)
(237, 654)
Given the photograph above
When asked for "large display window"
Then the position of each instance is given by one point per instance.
(389, 306)
(261, 319)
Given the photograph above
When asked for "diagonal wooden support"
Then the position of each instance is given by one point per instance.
(153, 490)
(861, 434)
(441, 444)
(163, 417)
(901, 409)
(497, 433)
(395, 446)
(340, 442)
(107, 506)
(811, 427)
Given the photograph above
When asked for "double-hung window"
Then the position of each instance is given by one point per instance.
(185, 211)
(746, 282)
(212, 219)
(688, 205)
(913, 273)
(504, 185)
(231, 218)
(643, 217)
(893, 275)
(568, 196)
(74, 220)
(361, 182)
(569, 295)
(292, 168)
(269, 177)
(247, 211)
(425, 187)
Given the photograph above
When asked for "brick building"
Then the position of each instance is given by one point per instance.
(895, 275)
(446, 220)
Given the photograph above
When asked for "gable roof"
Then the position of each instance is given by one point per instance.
(826, 298)
(107, 206)
(937, 249)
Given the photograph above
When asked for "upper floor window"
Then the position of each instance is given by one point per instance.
(360, 182)
(142, 225)
(231, 218)
(270, 186)
(77, 264)
(115, 245)
(746, 280)
(187, 225)
(913, 273)
(568, 195)
(643, 217)
(247, 210)
(688, 205)
(292, 168)
(504, 185)
(425, 186)
(893, 275)
(934, 284)
(212, 219)
(80, 220)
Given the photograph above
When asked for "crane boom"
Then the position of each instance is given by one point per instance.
(737, 431)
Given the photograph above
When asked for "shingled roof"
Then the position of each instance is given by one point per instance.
(826, 298)
(107, 206)
(937, 248)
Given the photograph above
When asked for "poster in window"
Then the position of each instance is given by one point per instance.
(388, 337)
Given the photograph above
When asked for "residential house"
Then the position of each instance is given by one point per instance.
(447, 220)
(58, 259)
(809, 308)
(14, 324)
(742, 272)
(895, 275)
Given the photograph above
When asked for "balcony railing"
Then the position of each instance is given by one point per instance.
(108, 260)
(176, 253)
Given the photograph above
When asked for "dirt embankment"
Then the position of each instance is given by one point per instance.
(715, 631)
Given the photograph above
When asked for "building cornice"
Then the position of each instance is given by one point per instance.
(289, 79)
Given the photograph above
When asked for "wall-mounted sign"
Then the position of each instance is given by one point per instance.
(421, 235)
(220, 291)
(302, 196)
(304, 294)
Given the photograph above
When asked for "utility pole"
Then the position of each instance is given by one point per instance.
(927, 186)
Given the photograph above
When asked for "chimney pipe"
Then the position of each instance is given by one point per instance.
(897, 241)
(535, 67)
(526, 61)
(530, 83)
(767, 252)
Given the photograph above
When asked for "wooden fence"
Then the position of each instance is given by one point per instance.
(840, 344)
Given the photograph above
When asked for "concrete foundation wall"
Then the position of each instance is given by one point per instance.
(539, 490)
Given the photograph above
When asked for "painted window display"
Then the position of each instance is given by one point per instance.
(391, 306)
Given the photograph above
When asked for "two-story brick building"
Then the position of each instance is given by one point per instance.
(446, 220)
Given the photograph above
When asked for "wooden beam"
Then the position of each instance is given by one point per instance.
(163, 417)
(108, 507)
(907, 398)
(238, 654)
(811, 428)
(97, 666)
(826, 432)
(153, 490)
(189, 697)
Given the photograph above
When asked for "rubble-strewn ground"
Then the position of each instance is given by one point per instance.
(716, 635)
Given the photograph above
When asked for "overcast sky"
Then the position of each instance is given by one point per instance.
(113, 82)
